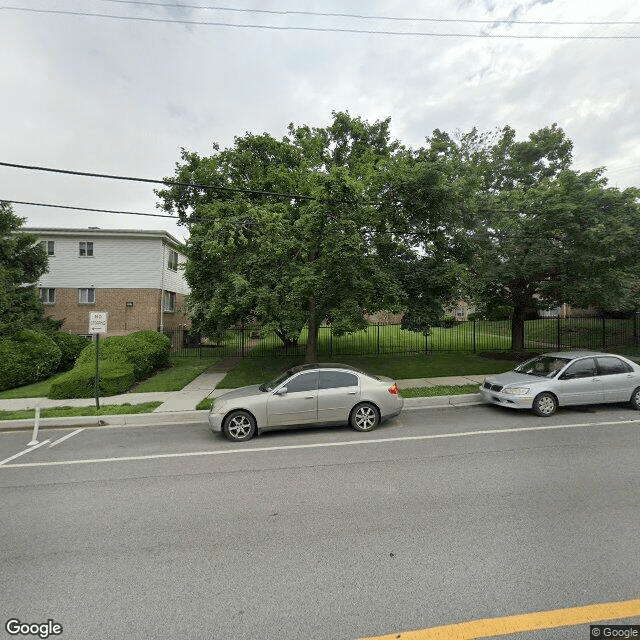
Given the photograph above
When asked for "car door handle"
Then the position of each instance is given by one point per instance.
(309, 397)
(352, 393)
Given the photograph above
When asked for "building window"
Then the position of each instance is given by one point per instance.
(87, 296)
(169, 301)
(49, 246)
(173, 260)
(86, 250)
(48, 296)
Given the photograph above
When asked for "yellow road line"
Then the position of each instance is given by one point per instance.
(490, 627)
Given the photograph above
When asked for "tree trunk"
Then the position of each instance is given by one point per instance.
(517, 329)
(311, 353)
(287, 342)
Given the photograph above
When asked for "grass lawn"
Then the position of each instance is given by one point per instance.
(182, 371)
(444, 390)
(258, 370)
(67, 412)
(35, 390)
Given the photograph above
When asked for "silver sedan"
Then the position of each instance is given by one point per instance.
(565, 378)
(327, 394)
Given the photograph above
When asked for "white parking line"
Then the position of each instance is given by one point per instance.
(17, 455)
(59, 440)
(318, 445)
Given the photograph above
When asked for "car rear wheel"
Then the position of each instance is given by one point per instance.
(239, 426)
(545, 404)
(364, 417)
(635, 399)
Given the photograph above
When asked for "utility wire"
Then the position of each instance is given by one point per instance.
(64, 206)
(172, 183)
(289, 12)
(324, 29)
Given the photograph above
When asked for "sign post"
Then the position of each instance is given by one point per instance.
(98, 325)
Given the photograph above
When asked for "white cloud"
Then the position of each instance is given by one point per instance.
(122, 97)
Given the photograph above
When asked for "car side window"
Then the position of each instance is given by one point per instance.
(609, 365)
(303, 382)
(585, 368)
(337, 379)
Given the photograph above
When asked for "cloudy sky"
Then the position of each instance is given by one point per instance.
(122, 94)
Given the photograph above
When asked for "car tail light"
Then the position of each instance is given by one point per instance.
(394, 389)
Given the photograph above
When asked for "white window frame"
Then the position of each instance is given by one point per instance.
(90, 293)
(49, 247)
(85, 249)
(46, 297)
(169, 302)
(173, 261)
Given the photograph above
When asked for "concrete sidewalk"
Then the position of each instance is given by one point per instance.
(180, 406)
(188, 398)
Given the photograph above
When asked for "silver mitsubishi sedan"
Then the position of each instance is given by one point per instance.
(565, 378)
(322, 394)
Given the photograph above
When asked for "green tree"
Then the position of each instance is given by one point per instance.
(545, 233)
(22, 262)
(288, 261)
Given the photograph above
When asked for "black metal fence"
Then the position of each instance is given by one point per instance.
(543, 334)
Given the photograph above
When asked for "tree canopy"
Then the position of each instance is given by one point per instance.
(546, 234)
(22, 262)
(327, 224)
(294, 260)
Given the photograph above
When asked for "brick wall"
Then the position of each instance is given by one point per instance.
(144, 314)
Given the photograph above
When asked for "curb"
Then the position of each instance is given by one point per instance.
(185, 417)
(118, 420)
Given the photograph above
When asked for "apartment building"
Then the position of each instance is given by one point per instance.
(135, 276)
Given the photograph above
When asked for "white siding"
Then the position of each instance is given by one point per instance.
(117, 263)
(174, 280)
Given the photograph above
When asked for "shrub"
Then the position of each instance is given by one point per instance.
(71, 346)
(123, 361)
(115, 378)
(27, 356)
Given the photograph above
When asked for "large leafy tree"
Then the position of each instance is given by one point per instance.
(22, 262)
(288, 261)
(546, 234)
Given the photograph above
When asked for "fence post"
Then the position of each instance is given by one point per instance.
(604, 333)
(242, 340)
(558, 334)
(378, 338)
(426, 343)
(331, 340)
(474, 335)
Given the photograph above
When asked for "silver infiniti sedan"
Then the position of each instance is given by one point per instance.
(565, 378)
(322, 394)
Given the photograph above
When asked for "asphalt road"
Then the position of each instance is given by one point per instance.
(437, 517)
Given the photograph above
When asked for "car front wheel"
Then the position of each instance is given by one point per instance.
(239, 426)
(545, 404)
(364, 417)
(635, 399)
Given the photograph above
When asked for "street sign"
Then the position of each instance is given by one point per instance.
(98, 321)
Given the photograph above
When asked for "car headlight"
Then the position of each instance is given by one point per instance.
(517, 391)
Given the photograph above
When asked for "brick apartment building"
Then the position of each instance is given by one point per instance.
(135, 276)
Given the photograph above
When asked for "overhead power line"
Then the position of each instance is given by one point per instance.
(65, 206)
(171, 183)
(358, 16)
(326, 29)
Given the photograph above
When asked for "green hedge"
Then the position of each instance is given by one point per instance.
(26, 357)
(71, 346)
(115, 378)
(123, 361)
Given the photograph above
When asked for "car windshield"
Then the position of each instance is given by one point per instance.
(543, 366)
(272, 384)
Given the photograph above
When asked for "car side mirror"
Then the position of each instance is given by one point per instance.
(567, 376)
(282, 391)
